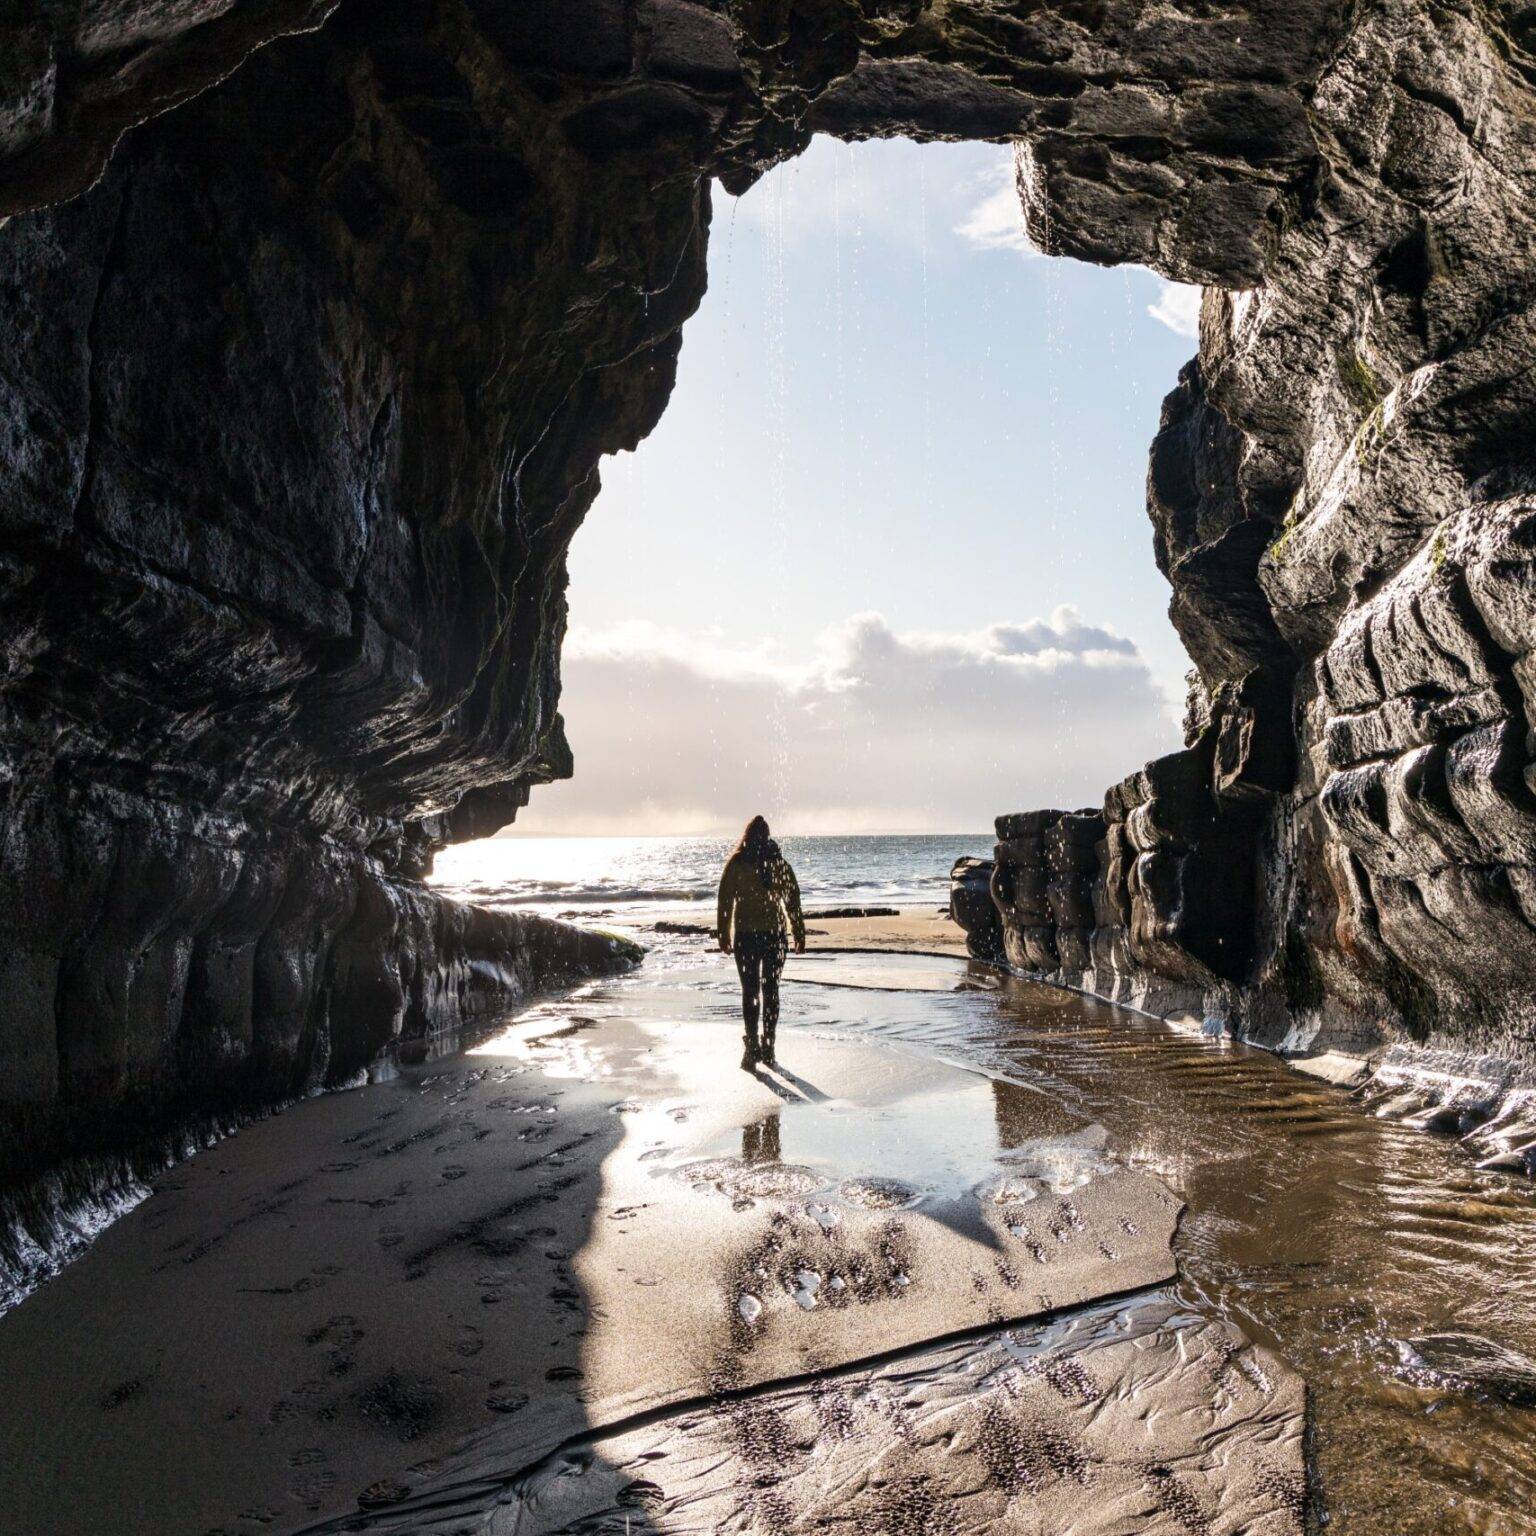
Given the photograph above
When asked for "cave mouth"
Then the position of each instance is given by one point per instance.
(433, 263)
(887, 533)
(317, 318)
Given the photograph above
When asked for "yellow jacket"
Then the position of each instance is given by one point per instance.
(749, 906)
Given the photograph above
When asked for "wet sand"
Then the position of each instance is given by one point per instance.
(401, 1301)
(916, 929)
(1138, 1418)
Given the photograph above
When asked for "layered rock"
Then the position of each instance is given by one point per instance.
(1341, 853)
(971, 907)
(300, 406)
(302, 403)
(1020, 890)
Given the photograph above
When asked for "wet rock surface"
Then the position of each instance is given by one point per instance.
(1338, 857)
(168, 975)
(972, 909)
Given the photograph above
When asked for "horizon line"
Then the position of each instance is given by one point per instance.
(515, 832)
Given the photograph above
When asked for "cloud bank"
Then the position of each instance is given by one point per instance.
(878, 731)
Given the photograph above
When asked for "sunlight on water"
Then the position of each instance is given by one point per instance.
(590, 875)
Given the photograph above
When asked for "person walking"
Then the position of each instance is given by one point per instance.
(757, 913)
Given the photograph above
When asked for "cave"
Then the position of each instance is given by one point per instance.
(317, 317)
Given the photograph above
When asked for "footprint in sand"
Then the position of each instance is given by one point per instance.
(454, 1171)
(877, 1194)
(382, 1493)
(124, 1391)
(807, 1284)
(467, 1342)
(566, 1298)
(507, 1402)
(824, 1216)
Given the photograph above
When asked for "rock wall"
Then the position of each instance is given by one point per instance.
(302, 401)
(1343, 853)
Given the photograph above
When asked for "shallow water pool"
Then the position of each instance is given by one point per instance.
(1334, 1237)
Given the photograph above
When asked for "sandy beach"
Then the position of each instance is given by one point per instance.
(390, 1308)
(912, 930)
(918, 928)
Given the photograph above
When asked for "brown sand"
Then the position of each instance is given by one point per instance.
(919, 929)
(1128, 1420)
(444, 1277)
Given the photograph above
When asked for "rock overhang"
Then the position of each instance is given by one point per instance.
(433, 261)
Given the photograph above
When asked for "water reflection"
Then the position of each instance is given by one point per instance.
(760, 1140)
(1327, 1234)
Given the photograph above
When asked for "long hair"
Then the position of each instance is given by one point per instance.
(756, 844)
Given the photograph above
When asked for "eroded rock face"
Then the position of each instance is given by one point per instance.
(972, 908)
(1342, 851)
(167, 971)
(300, 410)
(300, 406)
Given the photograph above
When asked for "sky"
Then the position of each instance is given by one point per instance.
(885, 564)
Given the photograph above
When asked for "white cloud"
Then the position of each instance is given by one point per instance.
(995, 221)
(1178, 307)
(879, 730)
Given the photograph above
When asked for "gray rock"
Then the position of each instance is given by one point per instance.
(972, 909)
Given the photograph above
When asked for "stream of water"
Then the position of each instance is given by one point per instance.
(1331, 1236)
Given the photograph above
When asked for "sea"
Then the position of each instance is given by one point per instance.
(621, 877)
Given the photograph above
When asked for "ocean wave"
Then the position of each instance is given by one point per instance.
(682, 874)
(530, 892)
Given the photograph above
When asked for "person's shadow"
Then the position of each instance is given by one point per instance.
(792, 1089)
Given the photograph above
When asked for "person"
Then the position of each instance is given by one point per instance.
(757, 912)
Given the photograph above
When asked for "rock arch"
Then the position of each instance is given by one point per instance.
(303, 399)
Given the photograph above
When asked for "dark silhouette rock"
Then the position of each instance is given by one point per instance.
(1019, 887)
(1072, 858)
(971, 907)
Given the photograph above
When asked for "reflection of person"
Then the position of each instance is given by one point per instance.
(758, 911)
(760, 1140)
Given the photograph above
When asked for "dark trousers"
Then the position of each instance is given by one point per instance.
(759, 962)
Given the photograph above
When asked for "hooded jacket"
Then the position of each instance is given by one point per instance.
(748, 905)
